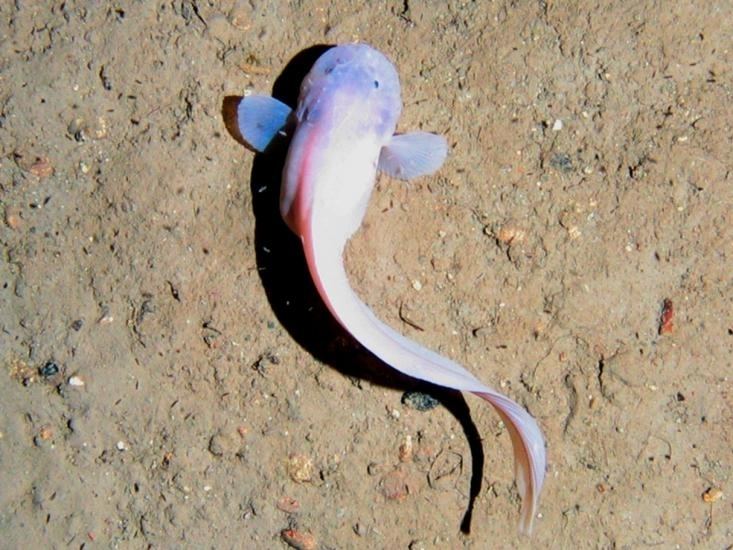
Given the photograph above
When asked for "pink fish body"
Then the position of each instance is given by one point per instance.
(344, 128)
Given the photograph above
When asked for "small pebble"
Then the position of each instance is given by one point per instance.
(666, 319)
(300, 468)
(561, 162)
(712, 495)
(419, 401)
(76, 129)
(77, 381)
(288, 505)
(41, 168)
(13, 220)
(301, 540)
(374, 468)
(240, 15)
(100, 129)
(557, 126)
(121, 446)
(49, 369)
(417, 285)
(440, 263)
(393, 485)
(510, 234)
(405, 453)
(76, 325)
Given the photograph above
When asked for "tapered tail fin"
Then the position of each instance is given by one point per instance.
(529, 455)
(324, 256)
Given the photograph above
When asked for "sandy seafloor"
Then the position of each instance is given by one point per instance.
(589, 180)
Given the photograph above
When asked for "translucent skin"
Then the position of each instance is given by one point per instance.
(349, 104)
(347, 112)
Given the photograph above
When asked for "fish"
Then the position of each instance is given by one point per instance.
(342, 134)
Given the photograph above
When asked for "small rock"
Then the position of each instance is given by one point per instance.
(375, 468)
(300, 468)
(561, 162)
(301, 540)
(76, 325)
(713, 494)
(13, 220)
(419, 401)
(240, 15)
(49, 369)
(76, 380)
(405, 453)
(288, 505)
(21, 372)
(121, 445)
(511, 235)
(45, 433)
(557, 125)
(100, 128)
(666, 319)
(77, 129)
(394, 485)
(41, 168)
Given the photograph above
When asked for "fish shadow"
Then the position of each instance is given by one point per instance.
(293, 296)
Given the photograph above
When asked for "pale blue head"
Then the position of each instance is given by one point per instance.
(356, 76)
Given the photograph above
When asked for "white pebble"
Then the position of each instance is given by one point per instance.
(76, 381)
(557, 126)
(121, 446)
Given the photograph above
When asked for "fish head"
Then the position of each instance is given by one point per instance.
(356, 82)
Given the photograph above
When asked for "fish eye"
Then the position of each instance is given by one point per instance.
(376, 83)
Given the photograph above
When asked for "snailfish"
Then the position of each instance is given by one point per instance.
(342, 133)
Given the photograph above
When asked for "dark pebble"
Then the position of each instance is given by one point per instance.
(76, 325)
(419, 401)
(49, 369)
(561, 161)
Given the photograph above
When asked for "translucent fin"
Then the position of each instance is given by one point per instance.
(260, 119)
(408, 156)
